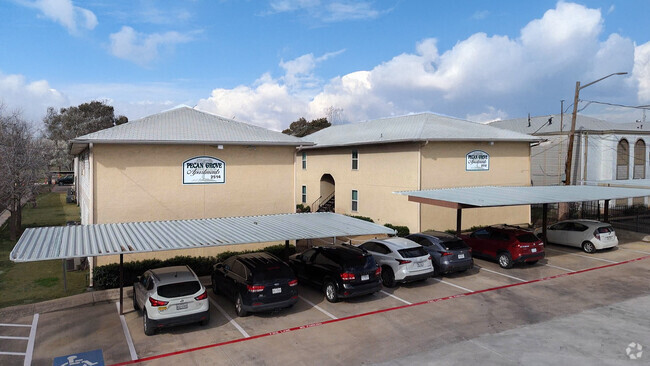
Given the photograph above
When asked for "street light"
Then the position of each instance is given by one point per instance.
(569, 158)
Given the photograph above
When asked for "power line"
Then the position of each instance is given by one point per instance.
(644, 107)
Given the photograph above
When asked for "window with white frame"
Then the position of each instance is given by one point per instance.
(304, 160)
(304, 194)
(355, 160)
(355, 200)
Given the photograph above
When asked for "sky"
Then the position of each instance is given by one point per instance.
(270, 62)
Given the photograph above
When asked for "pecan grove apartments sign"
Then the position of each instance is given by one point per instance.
(204, 170)
(477, 160)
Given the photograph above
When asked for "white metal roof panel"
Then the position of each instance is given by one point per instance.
(539, 125)
(512, 196)
(190, 126)
(630, 183)
(415, 127)
(139, 237)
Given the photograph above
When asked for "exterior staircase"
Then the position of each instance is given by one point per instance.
(328, 206)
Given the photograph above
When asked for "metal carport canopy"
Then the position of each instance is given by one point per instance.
(45, 243)
(491, 196)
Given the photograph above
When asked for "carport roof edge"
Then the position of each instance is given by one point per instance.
(63, 242)
(491, 196)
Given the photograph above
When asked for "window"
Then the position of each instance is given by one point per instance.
(355, 200)
(304, 194)
(323, 260)
(239, 269)
(355, 160)
(304, 160)
(622, 159)
(639, 160)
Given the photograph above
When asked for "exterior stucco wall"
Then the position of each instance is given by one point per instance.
(84, 186)
(382, 170)
(144, 183)
(444, 166)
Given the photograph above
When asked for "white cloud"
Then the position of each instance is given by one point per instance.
(480, 14)
(31, 98)
(328, 12)
(65, 13)
(142, 48)
(481, 78)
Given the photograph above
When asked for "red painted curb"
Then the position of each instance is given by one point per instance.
(164, 355)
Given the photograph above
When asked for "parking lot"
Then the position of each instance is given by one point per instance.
(391, 326)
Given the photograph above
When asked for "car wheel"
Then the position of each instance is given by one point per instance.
(387, 277)
(436, 271)
(531, 263)
(135, 302)
(147, 323)
(505, 261)
(214, 287)
(239, 306)
(331, 293)
(588, 247)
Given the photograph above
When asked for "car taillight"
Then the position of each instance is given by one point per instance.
(378, 271)
(347, 276)
(155, 302)
(597, 234)
(444, 254)
(402, 261)
(293, 283)
(255, 288)
(203, 296)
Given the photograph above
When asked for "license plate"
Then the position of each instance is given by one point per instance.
(365, 277)
(534, 250)
(461, 256)
(181, 306)
(276, 290)
(420, 264)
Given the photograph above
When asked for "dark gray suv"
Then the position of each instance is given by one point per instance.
(449, 253)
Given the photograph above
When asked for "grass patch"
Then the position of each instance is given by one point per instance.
(24, 283)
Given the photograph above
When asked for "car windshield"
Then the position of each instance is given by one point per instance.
(179, 289)
(412, 252)
(454, 245)
(361, 262)
(527, 238)
(272, 273)
(605, 229)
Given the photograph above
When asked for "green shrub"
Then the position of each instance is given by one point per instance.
(364, 218)
(108, 276)
(302, 208)
(402, 231)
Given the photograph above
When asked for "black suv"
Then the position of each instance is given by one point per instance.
(255, 282)
(340, 270)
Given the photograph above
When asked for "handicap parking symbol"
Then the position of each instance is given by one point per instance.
(90, 358)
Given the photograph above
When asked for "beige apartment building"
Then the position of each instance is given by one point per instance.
(183, 164)
(357, 167)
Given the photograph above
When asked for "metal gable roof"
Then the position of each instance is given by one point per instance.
(415, 127)
(140, 237)
(185, 125)
(539, 126)
(511, 196)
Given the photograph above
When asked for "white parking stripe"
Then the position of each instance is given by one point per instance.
(634, 250)
(30, 342)
(395, 297)
(127, 334)
(13, 353)
(562, 268)
(230, 320)
(317, 307)
(11, 337)
(581, 255)
(15, 325)
(451, 284)
(499, 273)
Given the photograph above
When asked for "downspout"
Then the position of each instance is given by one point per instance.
(91, 204)
(420, 185)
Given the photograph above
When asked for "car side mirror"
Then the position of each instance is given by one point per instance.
(218, 265)
(138, 279)
(299, 257)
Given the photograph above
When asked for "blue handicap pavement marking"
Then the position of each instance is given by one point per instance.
(90, 358)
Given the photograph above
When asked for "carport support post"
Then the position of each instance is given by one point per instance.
(121, 284)
(606, 218)
(459, 219)
(544, 222)
(65, 277)
(286, 249)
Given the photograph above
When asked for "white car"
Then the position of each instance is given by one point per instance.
(170, 296)
(590, 235)
(400, 259)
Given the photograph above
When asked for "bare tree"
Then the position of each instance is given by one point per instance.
(334, 115)
(22, 164)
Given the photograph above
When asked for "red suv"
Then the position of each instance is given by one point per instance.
(506, 244)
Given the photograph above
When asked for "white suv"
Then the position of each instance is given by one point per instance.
(170, 296)
(400, 259)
